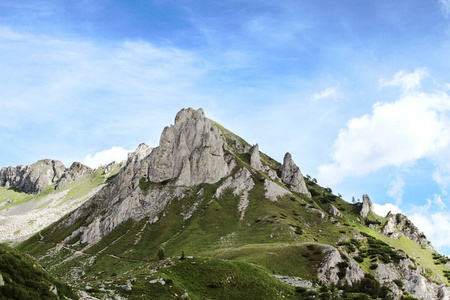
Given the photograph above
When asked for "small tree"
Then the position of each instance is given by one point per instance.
(182, 255)
(353, 200)
(160, 254)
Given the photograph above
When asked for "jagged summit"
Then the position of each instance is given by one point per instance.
(32, 178)
(190, 152)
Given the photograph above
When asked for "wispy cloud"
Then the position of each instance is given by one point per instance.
(330, 92)
(436, 227)
(408, 81)
(445, 6)
(396, 189)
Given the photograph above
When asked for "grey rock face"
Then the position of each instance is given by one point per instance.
(399, 224)
(292, 177)
(75, 172)
(367, 206)
(443, 293)
(33, 178)
(190, 152)
(241, 183)
(255, 159)
(334, 211)
(328, 271)
(2, 282)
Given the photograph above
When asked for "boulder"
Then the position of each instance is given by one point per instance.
(334, 211)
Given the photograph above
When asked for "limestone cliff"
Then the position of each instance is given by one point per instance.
(190, 152)
(33, 178)
(399, 224)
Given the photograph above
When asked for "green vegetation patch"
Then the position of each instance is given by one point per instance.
(25, 279)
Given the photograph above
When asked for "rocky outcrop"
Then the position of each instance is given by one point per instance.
(292, 177)
(241, 183)
(399, 224)
(273, 190)
(366, 207)
(255, 159)
(2, 282)
(190, 152)
(334, 211)
(33, 178)
(75, 172)
(330, 267)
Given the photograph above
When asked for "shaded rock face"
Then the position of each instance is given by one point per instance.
(399, 224)
(190, 152)
(33, 178)
(75, 172)
(367, 206)
(292, 177)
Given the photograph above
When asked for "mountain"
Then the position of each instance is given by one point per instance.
(33, 197)
(206, 215)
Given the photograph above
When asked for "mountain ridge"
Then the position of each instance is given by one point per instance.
(207, 192)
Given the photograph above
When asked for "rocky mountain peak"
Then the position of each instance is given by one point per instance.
(190, 152)
(72, 174)
(189, 114)
(367, 206)
(292, 177)
(33, 178)
(400, 224)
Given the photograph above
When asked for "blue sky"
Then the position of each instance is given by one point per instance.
(356, 91)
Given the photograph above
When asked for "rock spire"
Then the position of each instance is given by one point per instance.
(255, 159)
(367, 206)
(292, 177)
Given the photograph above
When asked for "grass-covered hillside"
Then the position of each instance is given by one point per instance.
(205, 245)
(22, 278)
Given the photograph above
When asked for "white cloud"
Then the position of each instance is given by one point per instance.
(436, 227)
(394, 134)
(104, 157)
(383, 210)
(330, 92)
(408, 81)
(396, 189)
(445, 5)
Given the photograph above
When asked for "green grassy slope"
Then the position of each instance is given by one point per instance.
(25, 279)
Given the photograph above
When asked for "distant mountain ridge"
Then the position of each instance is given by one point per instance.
(206, 215)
